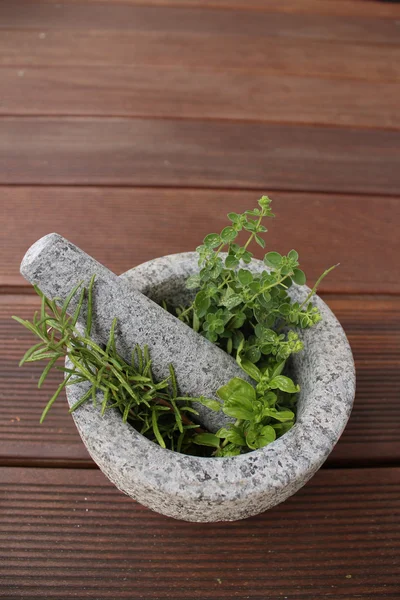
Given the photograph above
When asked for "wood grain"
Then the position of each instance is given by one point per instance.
(22, 14)
(140, 224)
(158, 152)
(67, 533)
(358, 8)
(31, 48)
(372, 435)
(148, 91)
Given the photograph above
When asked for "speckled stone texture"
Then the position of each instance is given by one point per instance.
(226, 489)
(56, 266)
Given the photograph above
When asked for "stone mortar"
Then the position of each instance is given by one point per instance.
(227, 489)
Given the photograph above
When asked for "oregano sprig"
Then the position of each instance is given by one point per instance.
(252, 316)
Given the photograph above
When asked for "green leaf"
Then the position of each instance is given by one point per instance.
(284, 309)
(269, 399)
(237, 320)
(259, 436)
(282, 428)
(78, 309)
(250, 225)
(196, 322)
(156, 430)
(231, 262)
(111, 347)
(89, 307)
(172, 378)
(229, 450)
(279, 415)
(81, 400)
(228, 234)
(299, 277)
(26, 324)
(267, 436)
(237, 388)
(31, 351)
(54, 398)
(260, 241)
(69, 298)
(201, 304)
(273, 259)
(210, 403)
(212, 240)
(238, 397)
(206, 439)
(249, 368)
(277, 369)
(253, 354)
(244, 276)
(287, 282)
(284, 384)
(193, 281)
(293, 255)
(235, 218)
(47, 368)
(246, 257)
(232, 301)
(234, 434)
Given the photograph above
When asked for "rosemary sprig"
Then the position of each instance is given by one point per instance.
(155, 409)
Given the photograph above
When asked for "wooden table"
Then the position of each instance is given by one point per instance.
(132, 127)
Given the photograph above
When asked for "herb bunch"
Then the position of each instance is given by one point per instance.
(247, 314)
(251, 315)
(234, 307)
(155, 409)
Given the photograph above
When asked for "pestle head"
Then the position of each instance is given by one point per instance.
(56, 265)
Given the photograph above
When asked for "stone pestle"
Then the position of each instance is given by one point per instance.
(56, 265)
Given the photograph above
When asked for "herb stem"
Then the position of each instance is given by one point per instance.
(268, 287)
(254, 233)
(314, 289)
(184, 418)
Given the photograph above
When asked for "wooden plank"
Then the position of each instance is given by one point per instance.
(21, 435)
(22, 14)
(198, 93)
(69, 533)
(284, 55)
(360, 8)
(158, 152)
(125, 227)
(372, 435)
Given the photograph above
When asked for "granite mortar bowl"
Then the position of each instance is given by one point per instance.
(226, 489)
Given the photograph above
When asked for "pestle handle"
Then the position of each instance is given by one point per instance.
(55, 265)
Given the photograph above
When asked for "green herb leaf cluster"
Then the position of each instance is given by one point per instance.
(234, 305)
(154, 408)
(262, 413)
(252, 315)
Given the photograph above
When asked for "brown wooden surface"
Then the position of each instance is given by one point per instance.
(22, 14)
(69, 533)
(140, 224)
(26, 48)
(180, 152)
(153, 91)
(132, 127)
(347, 8)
